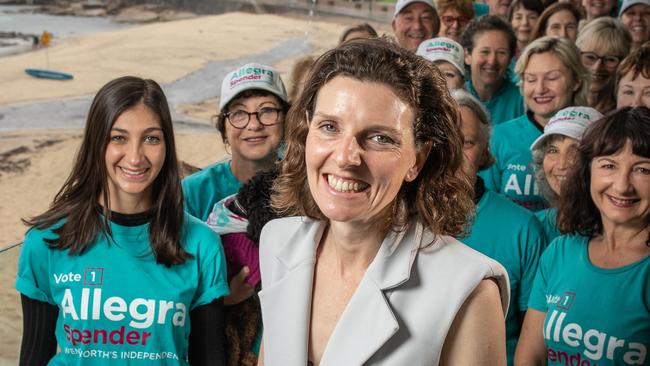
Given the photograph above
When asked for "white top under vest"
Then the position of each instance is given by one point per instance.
(399, 314)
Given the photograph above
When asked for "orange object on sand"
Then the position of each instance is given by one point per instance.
(46, 37)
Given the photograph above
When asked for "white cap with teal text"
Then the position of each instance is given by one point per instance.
(571, 122)
(443, 49)
(401, 4)
(248, 77)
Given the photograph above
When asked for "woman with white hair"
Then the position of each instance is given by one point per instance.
(553, 153)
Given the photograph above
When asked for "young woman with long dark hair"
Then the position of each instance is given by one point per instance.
(114, 271)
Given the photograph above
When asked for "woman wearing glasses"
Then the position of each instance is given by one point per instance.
(603, 43)
(251, 122)
(454, 16)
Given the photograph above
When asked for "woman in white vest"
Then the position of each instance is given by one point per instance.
(366, 271)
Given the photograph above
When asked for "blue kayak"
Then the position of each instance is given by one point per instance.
(49, 74)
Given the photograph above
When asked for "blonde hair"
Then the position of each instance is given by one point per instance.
(464, 7)
(568, 54)
(608, 32)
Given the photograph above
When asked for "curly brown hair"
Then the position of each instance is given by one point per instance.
(438, 197)
(577, 213)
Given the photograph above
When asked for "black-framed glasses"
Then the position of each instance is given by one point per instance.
(590, 58)
(267, 116)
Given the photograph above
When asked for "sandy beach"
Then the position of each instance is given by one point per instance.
(34, 162)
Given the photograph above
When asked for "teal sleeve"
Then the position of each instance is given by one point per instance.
(33, 268)
(192, 201)
(537, 298)
(535, 241)
(213, 282)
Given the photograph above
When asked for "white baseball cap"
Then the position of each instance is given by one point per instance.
(571, 122)
(401, 4)
(629, 3)
(251, 76)
(443, 49)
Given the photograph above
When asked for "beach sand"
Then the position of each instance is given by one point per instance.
(35, 163)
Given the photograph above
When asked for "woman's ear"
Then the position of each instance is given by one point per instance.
(421, 155)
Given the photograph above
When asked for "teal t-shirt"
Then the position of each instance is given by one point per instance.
(203, 189)
(594, 316)
(548, 218)
(116, 304)
(480, 9)
(506, 104)
(513, 174)
(512, 236)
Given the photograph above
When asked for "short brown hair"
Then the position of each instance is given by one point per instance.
(438, 196)
(637, 62)
(463, 7)
(363, 27)
(577, 213)
(540, 28)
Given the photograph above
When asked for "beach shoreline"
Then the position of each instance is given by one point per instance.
(35, 161)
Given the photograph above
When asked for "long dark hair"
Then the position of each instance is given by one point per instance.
(77, 201)
(577, 213)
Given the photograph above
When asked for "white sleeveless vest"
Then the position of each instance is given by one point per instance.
(401, 311)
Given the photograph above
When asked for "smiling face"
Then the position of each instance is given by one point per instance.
(135, 154)
(255, 142)
(489, 59)
(633, 92)
(558, 157)
(598, 8)
(602, 75)
(360, 149)
(548, 85)
(452, 24)
(414, 24)
(637, 20)
(523, 21)
(562, 25)
(620, 188)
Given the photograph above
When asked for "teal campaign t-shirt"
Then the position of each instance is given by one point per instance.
(594, 316)
(512, 236)
(513, 174)
(506, 103)
(203, 189)
(116, 304)
(548, 218)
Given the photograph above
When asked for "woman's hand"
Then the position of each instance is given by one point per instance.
(240, 290)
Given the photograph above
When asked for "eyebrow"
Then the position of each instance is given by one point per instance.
(373, 127)
(642, 161)
(261, 104)
(150, 129)
(543, 72)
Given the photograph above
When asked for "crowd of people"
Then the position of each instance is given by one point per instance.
(473, 189)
